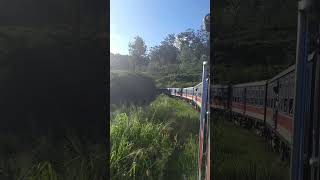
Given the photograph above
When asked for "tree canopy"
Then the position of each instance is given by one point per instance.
(249, 34)
(137, 51)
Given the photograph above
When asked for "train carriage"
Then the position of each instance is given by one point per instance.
(198, 94)
(280, 103)
(192, 94)
(188, 93)
(255, 99)
(219, 94)
(238, 99)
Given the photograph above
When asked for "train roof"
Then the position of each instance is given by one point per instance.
(283, 73)
(198, 84)
(219, 86)
(188, 87)
(256, 83)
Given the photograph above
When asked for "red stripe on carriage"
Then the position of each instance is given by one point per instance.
(200, 149)
(255, 109)
(285, 122)
(237, 105)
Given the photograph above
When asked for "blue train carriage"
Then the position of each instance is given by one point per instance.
(164, 91)
(255, 100)
(197, 94)
(171, 91)
(219, 96)
(238, 100)
(280, 105)
(248, 100)
(188, 93)
(175, 91)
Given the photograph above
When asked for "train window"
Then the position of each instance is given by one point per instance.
(282, 105)
(272, 103)
(291, 106)
(287, 93)
(269, 102)
(285, 105)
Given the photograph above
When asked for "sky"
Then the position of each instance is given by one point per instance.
(152, 20)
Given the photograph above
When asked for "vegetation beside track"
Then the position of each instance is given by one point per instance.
(157, 141)
(240, 154)
(131, 88)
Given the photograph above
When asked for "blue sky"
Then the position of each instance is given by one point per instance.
(152, 20)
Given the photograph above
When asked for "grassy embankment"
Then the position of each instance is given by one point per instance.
(239, 154)
(157, 141)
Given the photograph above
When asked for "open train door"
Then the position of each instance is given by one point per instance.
(305, 149)
(313, 148)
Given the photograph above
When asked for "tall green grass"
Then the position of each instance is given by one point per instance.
(158, 141)
(74, 158)
(239, 154)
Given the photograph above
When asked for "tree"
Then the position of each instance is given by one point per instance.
(185, 38)
(168, 51)
(154, 54)
(137, 51)
(192, 46)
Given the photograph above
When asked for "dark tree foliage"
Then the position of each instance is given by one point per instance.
(53, 57)
(253, 33)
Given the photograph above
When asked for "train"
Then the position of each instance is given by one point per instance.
(266, 105)
(284, 109)
(191, 94)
